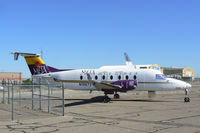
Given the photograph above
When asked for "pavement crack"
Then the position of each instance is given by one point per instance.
(136, 120)
(56, 130)
(178, 118)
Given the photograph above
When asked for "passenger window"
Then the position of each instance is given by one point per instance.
(126, 77)
(119, 77)
(81, 77)
(103, 77)
(111, 77)
(96, 77)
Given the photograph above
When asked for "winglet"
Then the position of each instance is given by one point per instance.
(89, 77)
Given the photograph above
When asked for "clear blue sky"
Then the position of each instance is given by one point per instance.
(93, 33)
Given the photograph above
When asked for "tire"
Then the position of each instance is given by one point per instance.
(116, 96)
(186, 99)
(106, 99)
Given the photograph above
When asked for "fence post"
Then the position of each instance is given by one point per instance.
(48, 98)
(20, 97)
(51, 91)
(12, 102)
(32, 94)
(63, 100)
(4, 92)
(8, 92)
(40, 94)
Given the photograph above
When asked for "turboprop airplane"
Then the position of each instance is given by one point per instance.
(109, 79)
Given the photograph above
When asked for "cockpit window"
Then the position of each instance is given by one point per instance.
(161, 76)
(164, 75)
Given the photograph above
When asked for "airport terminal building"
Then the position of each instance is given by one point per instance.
(186, 74)
(15, 77)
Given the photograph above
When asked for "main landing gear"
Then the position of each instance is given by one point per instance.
(186, 99)
(106, 99)
(116, 96)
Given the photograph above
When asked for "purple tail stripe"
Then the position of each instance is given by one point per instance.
(42, 69)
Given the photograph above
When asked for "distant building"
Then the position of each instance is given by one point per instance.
(186, 74)
(13, 76)
(197, 80)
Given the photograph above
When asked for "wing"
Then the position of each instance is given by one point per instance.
(101, 85)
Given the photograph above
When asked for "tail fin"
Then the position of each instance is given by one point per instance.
(35, 63)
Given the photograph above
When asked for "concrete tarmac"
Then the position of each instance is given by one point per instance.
(134, 112)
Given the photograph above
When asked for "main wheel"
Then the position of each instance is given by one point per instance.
(116, 96)
(186, 99)
(106, 99)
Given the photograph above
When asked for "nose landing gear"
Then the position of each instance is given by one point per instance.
(186, 99)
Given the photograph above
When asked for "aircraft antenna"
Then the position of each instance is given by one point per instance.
(41, 54)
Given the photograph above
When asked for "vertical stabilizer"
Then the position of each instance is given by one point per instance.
(35, 63)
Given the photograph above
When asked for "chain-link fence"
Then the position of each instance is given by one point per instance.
(45, 97)
(37, 96)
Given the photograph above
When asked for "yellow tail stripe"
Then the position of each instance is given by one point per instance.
(33, 60)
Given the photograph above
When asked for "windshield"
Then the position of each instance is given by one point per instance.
(161, 76)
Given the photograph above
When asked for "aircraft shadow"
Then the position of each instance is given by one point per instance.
(99, 99)
(137, 100)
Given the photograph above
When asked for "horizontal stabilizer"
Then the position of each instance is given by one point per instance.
(16, 55)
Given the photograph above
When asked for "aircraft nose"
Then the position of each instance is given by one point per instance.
(185, 85)
(188, 85)
(180, 84)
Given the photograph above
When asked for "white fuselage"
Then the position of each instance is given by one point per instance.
(148, 79)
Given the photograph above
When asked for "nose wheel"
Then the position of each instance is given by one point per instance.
(186, 99)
